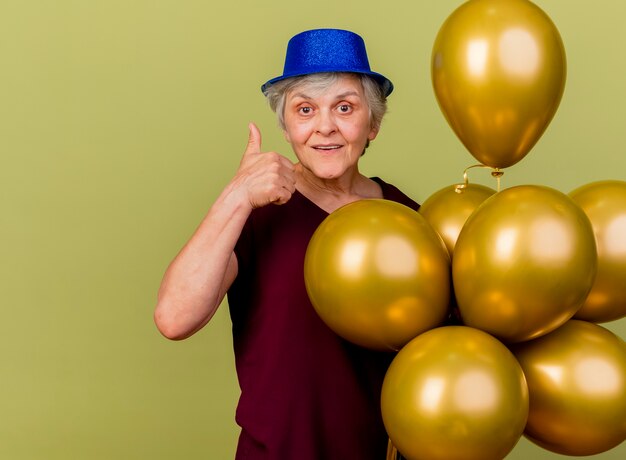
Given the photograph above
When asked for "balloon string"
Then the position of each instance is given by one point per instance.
(392, 452)
(497, 173)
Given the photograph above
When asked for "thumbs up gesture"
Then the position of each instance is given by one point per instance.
(265, 177)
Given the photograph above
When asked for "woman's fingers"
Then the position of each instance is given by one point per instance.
(268, 177)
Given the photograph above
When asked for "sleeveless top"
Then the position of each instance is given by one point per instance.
(306, 393)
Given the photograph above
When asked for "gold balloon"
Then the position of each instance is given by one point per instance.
(377, 274)
(524, 263)
(454, 392)
(604, 202)
(448, 209)
(498, 70)
(577, 386)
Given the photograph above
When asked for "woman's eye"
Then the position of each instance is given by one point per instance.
(305, 110)
(344, 108)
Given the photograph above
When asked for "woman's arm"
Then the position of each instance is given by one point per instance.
(198, 278)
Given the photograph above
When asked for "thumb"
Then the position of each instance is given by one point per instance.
(254, 140)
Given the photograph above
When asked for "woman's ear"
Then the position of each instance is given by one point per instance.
(373, 133)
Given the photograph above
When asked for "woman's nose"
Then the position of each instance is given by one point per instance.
(325, 123)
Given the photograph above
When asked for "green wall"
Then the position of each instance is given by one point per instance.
(121, 120)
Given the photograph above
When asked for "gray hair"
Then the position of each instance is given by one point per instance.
(376, 100)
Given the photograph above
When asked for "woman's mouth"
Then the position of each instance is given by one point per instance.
(327, 148)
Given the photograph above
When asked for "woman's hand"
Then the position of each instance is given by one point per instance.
(265, 177)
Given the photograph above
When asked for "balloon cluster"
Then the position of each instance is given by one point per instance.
(491, 299)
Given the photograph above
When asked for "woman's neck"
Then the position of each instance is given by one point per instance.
(331, 194)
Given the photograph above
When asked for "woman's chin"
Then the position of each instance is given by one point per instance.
(326, 171)
(329, 172)
(328, 175)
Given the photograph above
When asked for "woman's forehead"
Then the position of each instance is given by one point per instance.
(342, 85)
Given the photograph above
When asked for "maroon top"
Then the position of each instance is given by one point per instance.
(306, 393)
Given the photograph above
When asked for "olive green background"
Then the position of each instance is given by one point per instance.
(120, 122)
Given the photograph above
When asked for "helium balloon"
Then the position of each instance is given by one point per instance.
(454, 392)
(448, 209)
(377, 274)
(604, 202)
(498, 70)
(577, 387)
(524, 263)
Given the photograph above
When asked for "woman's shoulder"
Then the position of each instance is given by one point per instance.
(393, 193)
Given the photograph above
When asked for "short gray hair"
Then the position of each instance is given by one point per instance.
(376, 100)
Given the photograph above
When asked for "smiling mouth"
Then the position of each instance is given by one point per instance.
(327, 147)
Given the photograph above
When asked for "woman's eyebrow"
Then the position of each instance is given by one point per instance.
(339, 96)
(300, 95)
(346, 94)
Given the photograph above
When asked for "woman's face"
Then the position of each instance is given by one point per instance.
(328, 129)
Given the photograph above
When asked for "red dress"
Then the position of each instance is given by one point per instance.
(306, 394)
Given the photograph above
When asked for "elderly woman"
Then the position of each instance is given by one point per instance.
(306, 394)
